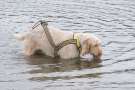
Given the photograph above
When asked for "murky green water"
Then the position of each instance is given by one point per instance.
(111, 20)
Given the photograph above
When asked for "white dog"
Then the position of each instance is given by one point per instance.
(36, 39)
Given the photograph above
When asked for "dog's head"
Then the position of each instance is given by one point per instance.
(92, 46)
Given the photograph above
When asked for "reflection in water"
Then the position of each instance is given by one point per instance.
(111, 20)
(60, 65)
(46, 65)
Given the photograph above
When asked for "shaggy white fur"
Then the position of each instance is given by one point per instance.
(35, 39)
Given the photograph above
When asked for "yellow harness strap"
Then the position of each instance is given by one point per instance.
(75, 40)
(76, 37)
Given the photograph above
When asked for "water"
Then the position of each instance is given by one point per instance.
(111, 20)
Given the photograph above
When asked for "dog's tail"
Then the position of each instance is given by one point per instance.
(20, 36)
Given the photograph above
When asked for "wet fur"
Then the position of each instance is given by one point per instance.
(35, 40)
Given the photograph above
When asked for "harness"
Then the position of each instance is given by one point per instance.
(75, 40)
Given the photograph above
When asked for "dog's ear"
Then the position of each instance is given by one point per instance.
(20, 36)
(86, 46)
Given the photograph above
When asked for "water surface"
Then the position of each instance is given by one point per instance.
(111, 20)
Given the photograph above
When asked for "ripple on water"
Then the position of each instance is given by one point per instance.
(111, 20)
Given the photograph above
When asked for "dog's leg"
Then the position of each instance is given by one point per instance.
(29, 51)
(30, 48)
